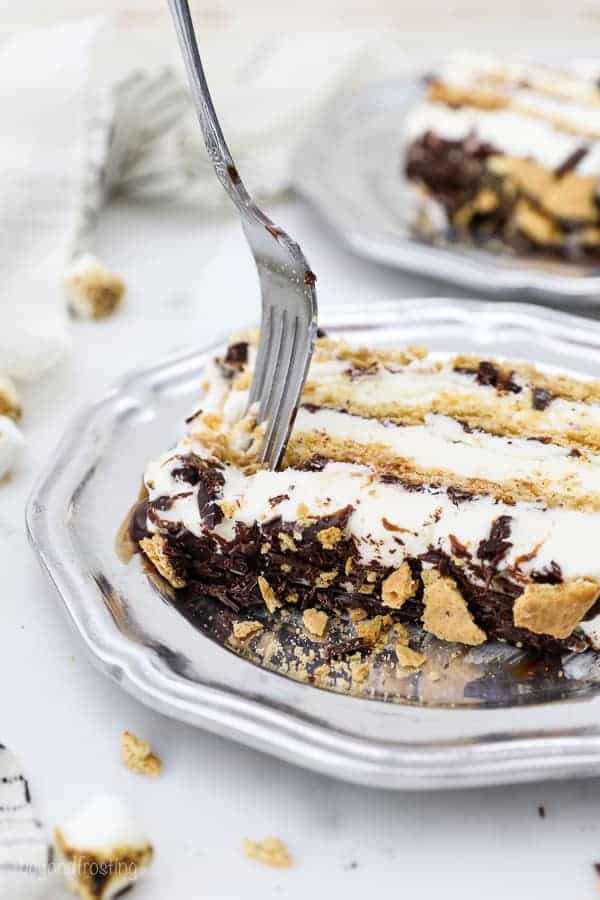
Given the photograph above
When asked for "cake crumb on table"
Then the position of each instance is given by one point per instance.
(92, 291)
(138, 756)
(271, 851)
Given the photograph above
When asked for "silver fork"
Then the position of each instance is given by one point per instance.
(289, 299)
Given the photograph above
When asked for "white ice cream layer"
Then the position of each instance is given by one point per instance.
(414, 386)
(442, 443)
(425, 518)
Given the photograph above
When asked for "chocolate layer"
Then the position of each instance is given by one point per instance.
(294, 569)
(455, 174)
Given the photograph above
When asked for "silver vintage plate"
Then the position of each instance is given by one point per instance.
(350, 169)
(483, 716)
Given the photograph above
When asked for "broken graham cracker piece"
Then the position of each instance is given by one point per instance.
(446, 614)
(398, 587)
(329, 537)
(155, 550)
(409, 659)
(321, 673)
(315, 621)
(271, 851)
(138, 756)
(370, 629)
(357, 614)
(555, 609)
(360, 671)
(268, 594)
(244, 630)
(92, 291)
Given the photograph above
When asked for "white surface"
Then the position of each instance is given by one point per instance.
(64, 719)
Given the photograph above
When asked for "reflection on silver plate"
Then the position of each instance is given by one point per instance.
(350, 170)
(468, 727)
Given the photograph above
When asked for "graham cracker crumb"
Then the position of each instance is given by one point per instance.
(555, 609)
(329, 537)
(360, 671)
(409, 659)
(138, 756)
(398, 587)
(326, 579)
(446, 612)
(229, 508)
(286, 542)
(370, 629)
(401, 632)
(315, 621)
(321, 673)
(155, 550)
(357, 614)
(272, 852)
(242, 382)
(268, 594)
(244, 630)
(211, 420)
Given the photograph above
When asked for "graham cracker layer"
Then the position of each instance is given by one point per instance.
(515, 417)
(490, 98)
(562, 386)
(304, 447)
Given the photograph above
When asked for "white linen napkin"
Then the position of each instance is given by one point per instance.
(42, 160)
(95, 111)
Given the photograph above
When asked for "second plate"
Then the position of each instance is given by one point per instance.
(350, 170)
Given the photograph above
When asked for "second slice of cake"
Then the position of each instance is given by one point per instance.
(509, 152)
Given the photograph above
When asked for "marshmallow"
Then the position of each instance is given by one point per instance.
(92, 291)
(105, 849)
(12, 443)
(9, 399)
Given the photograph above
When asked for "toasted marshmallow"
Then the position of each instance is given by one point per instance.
(92, 290)
(12, 443)
(105, 849)
(9, 399)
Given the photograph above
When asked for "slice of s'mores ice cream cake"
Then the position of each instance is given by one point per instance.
(461, 494)
(509, 151)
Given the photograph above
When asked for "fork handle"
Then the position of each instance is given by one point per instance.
(216, 145)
